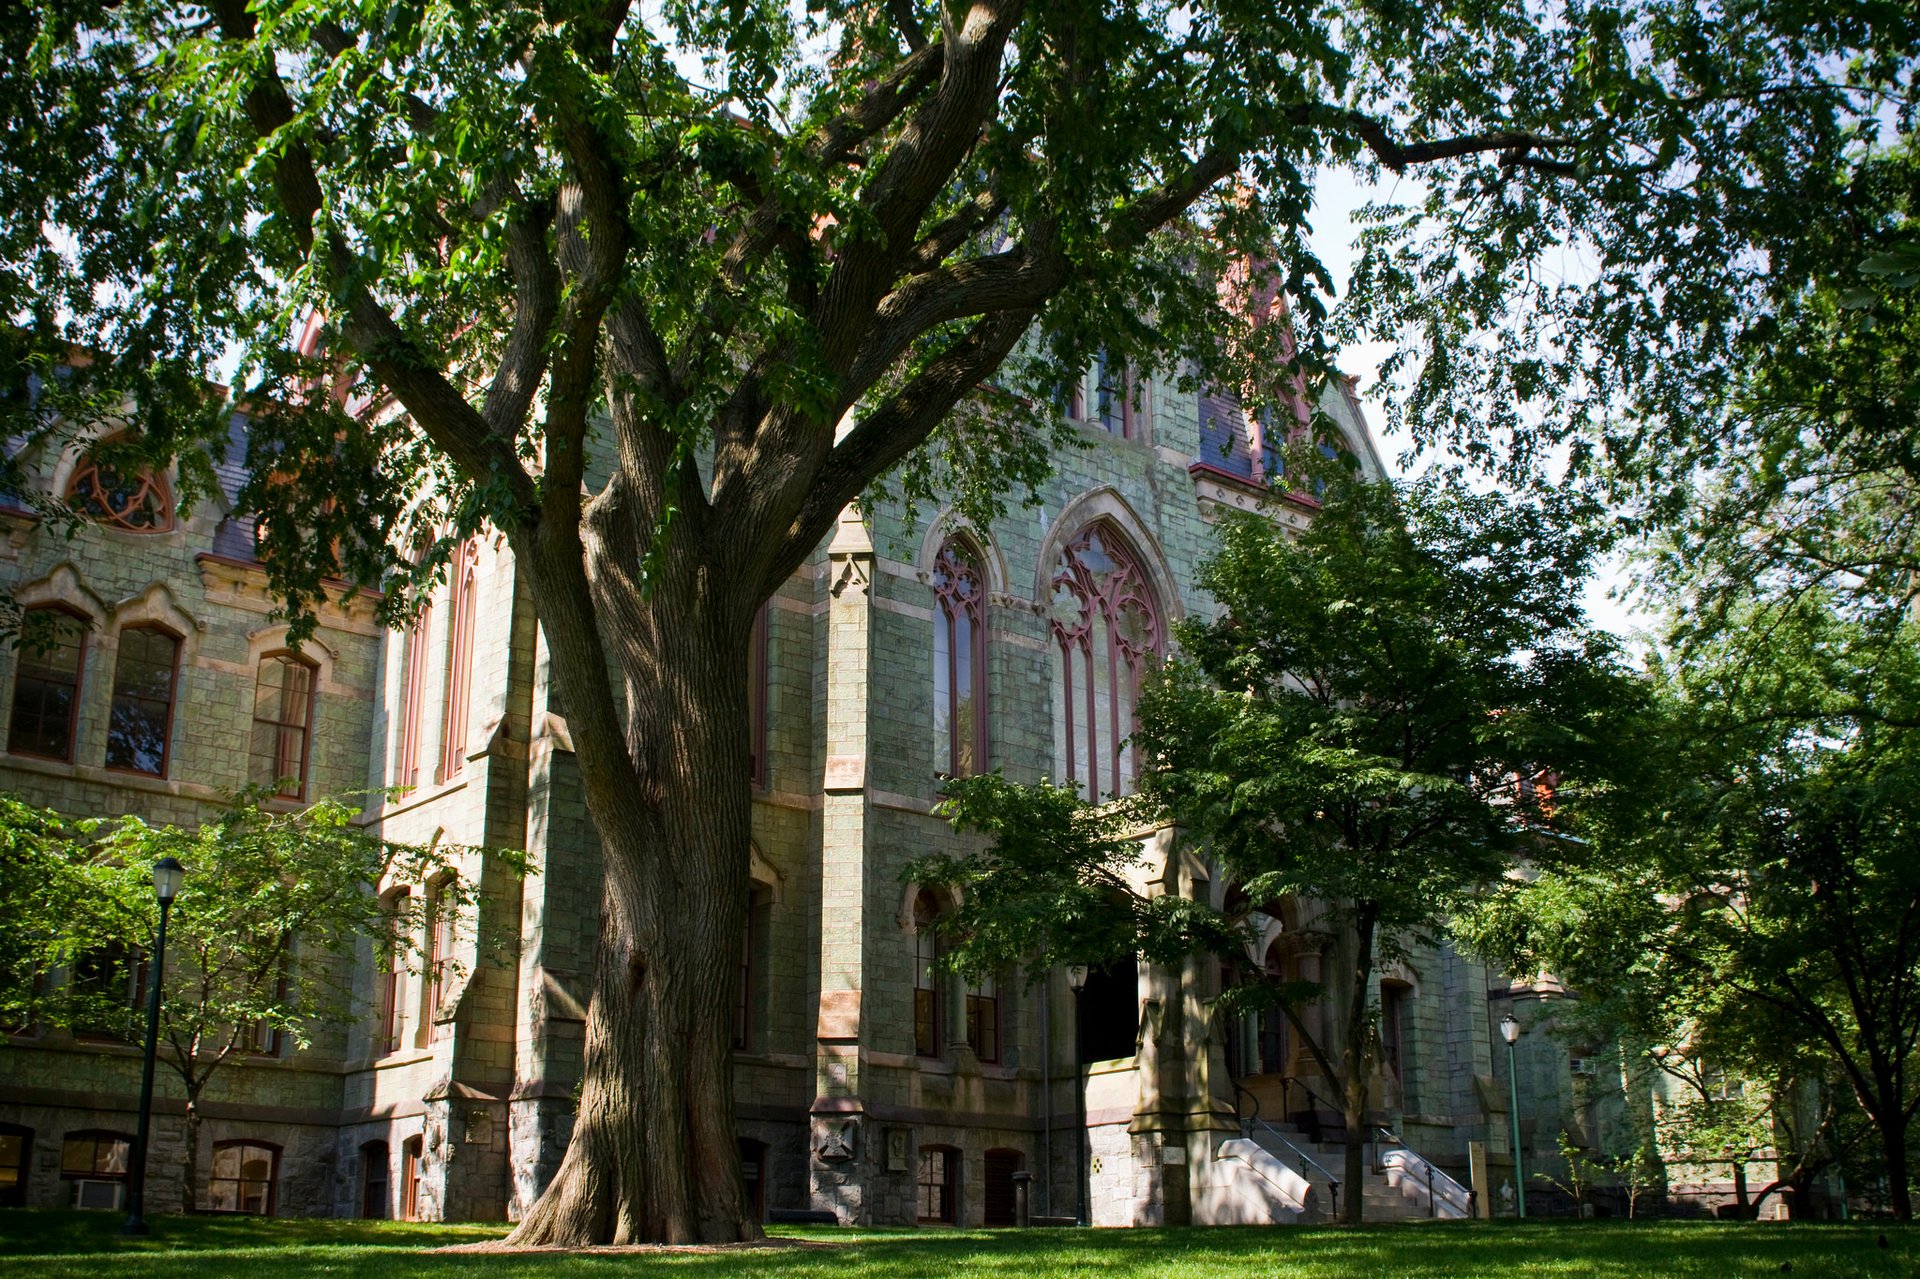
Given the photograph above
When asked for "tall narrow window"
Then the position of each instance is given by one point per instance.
(983, 1019)
(242, 1177)
(959, 661)
(1393, 1014)
(282, 724)
(376, 1203)
(1273, 1020)
(141, 721)
(1106, 629)
(1113, 396)
(386, 1028)
(412, 1155)
(453, 724)
(757, 655)
(926, 976)
(263, 1036)
(441, 919)
(936, 1185)
(1072, 398)
(406, 763)
(46, 684)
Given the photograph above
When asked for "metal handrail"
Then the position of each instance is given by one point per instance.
(1456, 1194)
(1250, 1122)
(1285, 1141)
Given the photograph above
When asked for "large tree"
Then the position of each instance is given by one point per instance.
(1358, 727)
(658, 292)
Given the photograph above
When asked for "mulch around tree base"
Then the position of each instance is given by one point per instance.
(502, 1248)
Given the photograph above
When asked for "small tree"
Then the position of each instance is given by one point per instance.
(260, 942)
(1353, 727)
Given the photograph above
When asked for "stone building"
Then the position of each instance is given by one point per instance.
(867, 1085)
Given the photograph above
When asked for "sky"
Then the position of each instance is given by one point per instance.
(1339, 195)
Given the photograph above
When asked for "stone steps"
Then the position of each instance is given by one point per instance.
(1382, 1200)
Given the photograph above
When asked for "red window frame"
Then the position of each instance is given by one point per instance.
(120, 693)
(412, 1155)
(406, 766)
(281, 727)
(92, 497)
(387, 1008)
(21, 658)
(459, 686)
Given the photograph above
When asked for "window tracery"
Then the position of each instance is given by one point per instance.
(138, 501)
(1107, 629)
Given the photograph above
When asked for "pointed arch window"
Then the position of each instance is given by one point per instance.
(959, 661)
(1107, 631)
(460, 614)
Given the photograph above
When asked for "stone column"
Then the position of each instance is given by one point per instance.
(841, 1157)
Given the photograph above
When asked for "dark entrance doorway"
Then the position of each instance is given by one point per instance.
(1001, 1165)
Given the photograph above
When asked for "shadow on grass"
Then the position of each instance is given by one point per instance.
(86, 1246)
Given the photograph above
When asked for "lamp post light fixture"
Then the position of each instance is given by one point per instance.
(1077, 982)
(167, 874)
(1510, 1031)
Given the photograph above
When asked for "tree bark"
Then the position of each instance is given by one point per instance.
(1355, 1058)
(1893, 1140)
(653, 1155)
(190, 1172)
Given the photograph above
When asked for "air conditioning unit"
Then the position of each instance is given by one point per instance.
(97, 1194)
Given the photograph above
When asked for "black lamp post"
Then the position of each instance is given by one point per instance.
(1077, 980)
(1510, 1031)
(167, 874)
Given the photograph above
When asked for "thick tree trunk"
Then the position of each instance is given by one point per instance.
(1355, 1061)
(1893, 1139)
(654, 1156)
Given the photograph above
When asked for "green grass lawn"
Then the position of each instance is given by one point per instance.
(74, 1245)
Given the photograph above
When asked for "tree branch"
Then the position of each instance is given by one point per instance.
(433, 401)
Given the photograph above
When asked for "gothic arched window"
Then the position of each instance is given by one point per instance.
(959, 661)
(1107, 629)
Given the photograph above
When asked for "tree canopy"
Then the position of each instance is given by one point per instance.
(1753, 903)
